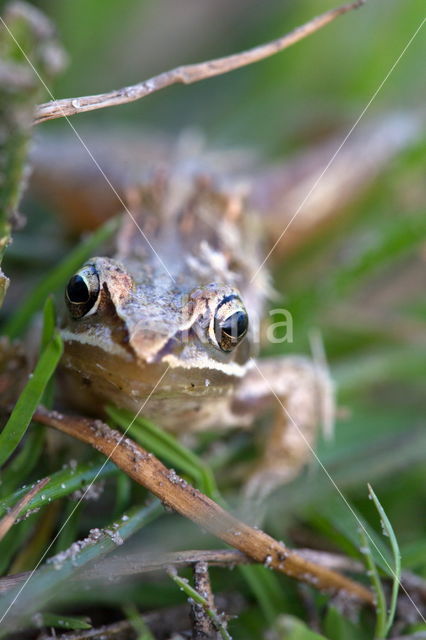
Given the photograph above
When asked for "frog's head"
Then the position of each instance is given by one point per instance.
(115, 323)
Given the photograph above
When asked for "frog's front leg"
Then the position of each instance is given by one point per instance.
(298, 394)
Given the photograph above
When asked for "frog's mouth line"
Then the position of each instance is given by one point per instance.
(204, 362)
(199, 361)
(109, 346)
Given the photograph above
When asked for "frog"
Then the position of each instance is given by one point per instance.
(167, 325)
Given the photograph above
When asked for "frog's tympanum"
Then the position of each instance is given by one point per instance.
(169, 325)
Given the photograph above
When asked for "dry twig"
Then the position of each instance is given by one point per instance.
(126, 566)
(9, 519)
(176, 493)
(202, 625)
(187, 74)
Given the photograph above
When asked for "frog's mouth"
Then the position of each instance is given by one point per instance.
(189, 352)
(120, 378)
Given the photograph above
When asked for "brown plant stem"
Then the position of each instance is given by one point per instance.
(187, 74)
(201, 623)
(9, 519)
(176, 493)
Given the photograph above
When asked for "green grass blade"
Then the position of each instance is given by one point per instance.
(57, 278)
(266, 588)
(30, 398)
(48, 330)
(14, 541)
(389, 532)
(192, 593)
(62, 622)
(289, 627)
(373, 574)
(24, 462)
(68, 526)
(49, 323)
(137, 622)
(336, 516)
(61, 484)
(337, 627)
(17, 606)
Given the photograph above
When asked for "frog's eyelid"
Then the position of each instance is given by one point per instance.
(232, 296)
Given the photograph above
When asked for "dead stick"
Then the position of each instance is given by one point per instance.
(9, 519)
(179, 495)
(187, 74)
(124, 566)
(202, 625)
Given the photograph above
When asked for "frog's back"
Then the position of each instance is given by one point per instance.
(195, 229)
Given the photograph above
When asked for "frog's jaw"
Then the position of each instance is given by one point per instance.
(94, 378)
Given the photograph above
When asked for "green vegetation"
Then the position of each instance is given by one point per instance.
(359, 281)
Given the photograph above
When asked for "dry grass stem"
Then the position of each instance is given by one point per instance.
(177, 494)
(187, 74)
(202, 625)
(9, 519)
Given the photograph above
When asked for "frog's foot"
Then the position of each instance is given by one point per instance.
(300, 395)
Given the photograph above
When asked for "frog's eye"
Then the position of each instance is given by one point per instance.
(82, 292)
(230, 322)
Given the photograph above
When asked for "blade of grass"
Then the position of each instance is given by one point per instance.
(30, 398)
(29, 555)
(373, 574)
(68, 526)
(14, 540)
(263, 584)
(400, 235)
(49, 323)
(61, 484)
(48, 330)
(338, 627)
(289, 627)
(190, 592)
(137, 622)
(62, 622)
(335, 515)
(45, 583)
(24, 462)
(122, 493)
(389, 532)
(57, 278)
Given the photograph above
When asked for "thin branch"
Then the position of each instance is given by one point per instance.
(176, 493)
(9, 519)
(187, 74)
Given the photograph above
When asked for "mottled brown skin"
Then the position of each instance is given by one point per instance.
(157, 311)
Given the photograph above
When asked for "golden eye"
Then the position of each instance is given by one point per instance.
(82, 292)
(231, 322)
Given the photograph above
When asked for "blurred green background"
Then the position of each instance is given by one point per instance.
(361, 281)
(328, 77)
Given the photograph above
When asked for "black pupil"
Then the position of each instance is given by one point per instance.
(236, 325)
(77, 290)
